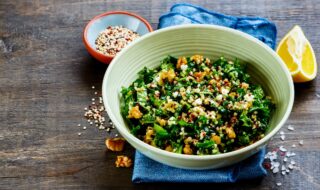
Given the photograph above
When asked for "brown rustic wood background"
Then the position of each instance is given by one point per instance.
(45, 82)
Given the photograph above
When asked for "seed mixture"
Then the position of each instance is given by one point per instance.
(96, 115)
(111, 40)
(191, 105)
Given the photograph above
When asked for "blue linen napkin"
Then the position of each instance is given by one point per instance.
(147, 170)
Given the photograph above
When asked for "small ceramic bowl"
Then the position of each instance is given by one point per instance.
(116, 18)
(264, 66)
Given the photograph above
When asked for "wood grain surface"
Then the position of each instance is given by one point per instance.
(46, 76)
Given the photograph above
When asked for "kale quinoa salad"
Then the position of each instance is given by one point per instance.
(192, 105)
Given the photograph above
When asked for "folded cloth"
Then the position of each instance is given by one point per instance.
(147, 170)
(183, 13)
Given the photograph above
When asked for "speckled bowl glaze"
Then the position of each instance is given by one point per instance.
(116, 18)
(264, 65)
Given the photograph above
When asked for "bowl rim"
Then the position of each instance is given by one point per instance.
(127, 135)
(88, 25)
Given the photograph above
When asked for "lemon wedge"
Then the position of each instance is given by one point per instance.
(297, 53)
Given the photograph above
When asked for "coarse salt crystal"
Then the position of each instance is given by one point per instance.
(79, 134)
(279, 184)
(283, 172)
(281, 133)
(79, 125)
(293, 146)
(93, 99)
(276, 164)
(283, 168)
(301, 142)
(282, 137)
(285, 159)
(292, 162)
(275, 170)
(290, 128)
(84, 128)
(290, 166)
(93, 87)
(95, 93)
(282, 149)
(290, 154)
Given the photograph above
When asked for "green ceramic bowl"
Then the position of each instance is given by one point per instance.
(264, 65)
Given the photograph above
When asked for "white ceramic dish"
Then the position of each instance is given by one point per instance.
(264, 65)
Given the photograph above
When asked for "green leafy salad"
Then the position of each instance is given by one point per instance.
(192, 105)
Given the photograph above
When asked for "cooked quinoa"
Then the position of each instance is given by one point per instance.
(191, 105)
(114, 38)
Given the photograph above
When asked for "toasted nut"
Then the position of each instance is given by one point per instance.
(187, 149)
(187, 140)
(115, 144)
(197, 58)
(244, 85)
(181, 61)
(162, 122)
(123, 161)
(169, 148)
(230, 132)
(199, 76)
(135, 113)
(149, 133)
(170, 75)
(216, 139)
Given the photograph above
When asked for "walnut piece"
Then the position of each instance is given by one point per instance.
(135, 113)
(123, 162)
(115, 144)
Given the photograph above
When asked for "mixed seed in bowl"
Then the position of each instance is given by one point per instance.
(192, 105)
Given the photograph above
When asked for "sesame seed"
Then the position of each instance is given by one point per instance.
(91, 123)
(93, 99)
(93, 87)
(84, 128)
(85, 108)
(95, 93)
(93, 103)
(116, 135)
(293, 146)
(79, 134)
(79, 125)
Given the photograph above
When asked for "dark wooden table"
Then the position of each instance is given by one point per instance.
(46, 76)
